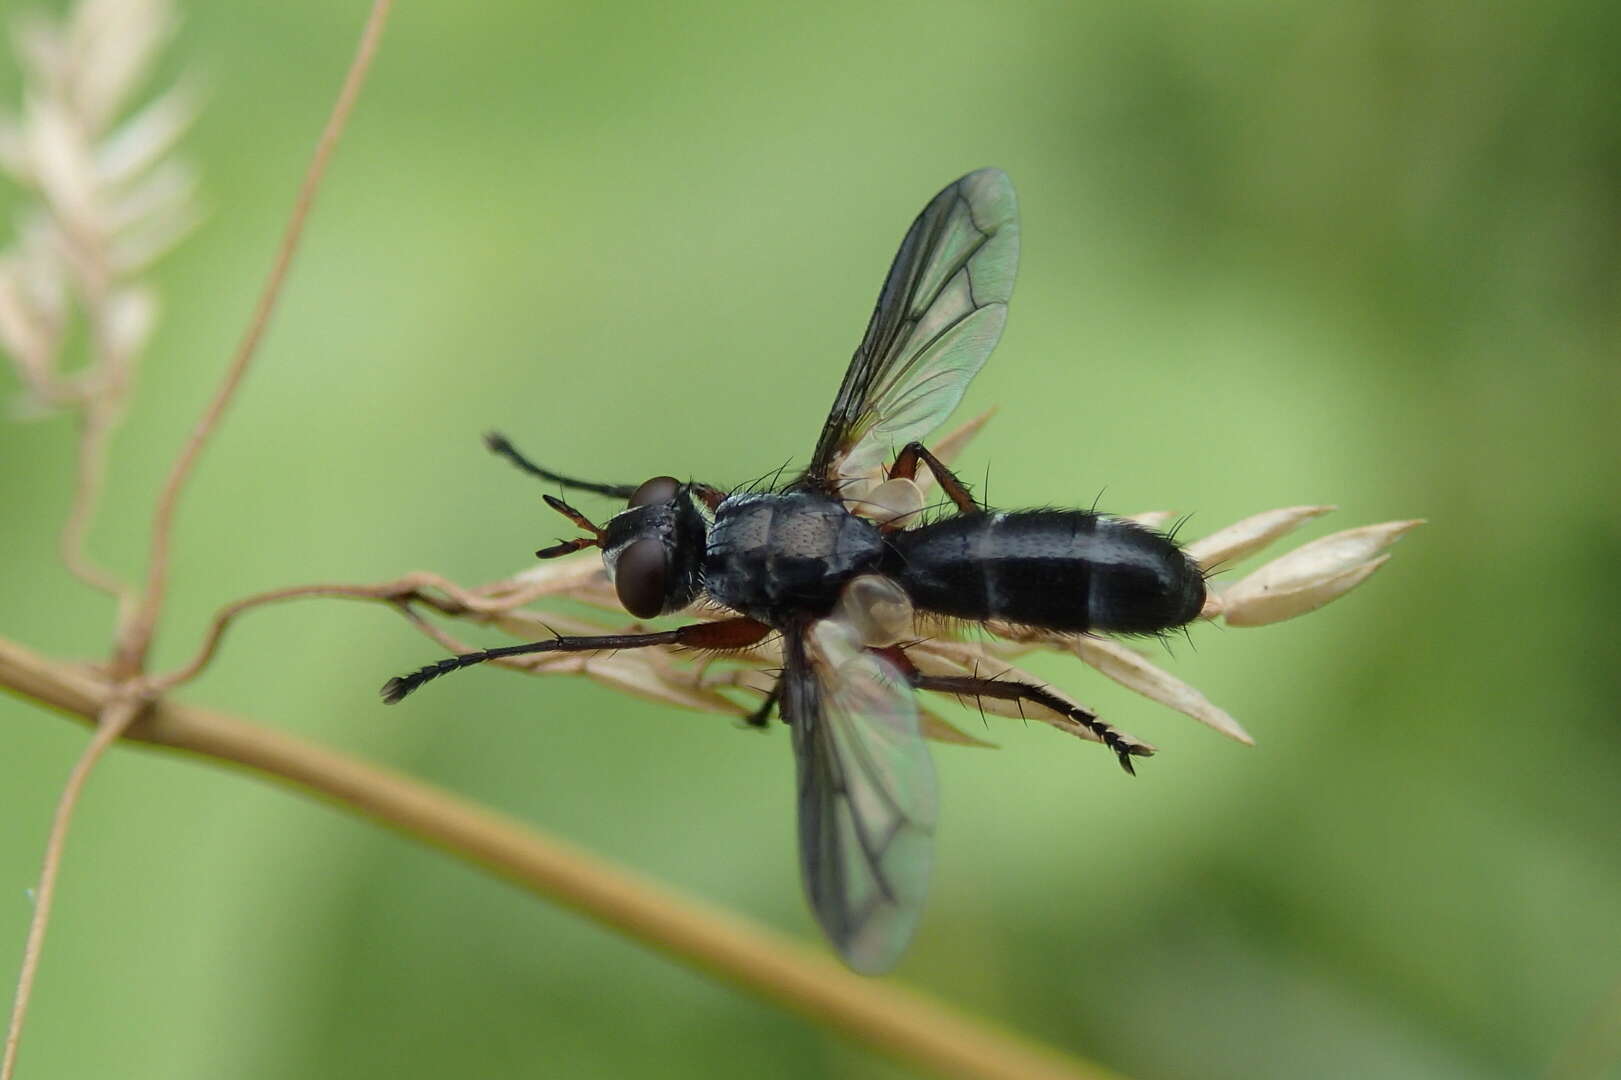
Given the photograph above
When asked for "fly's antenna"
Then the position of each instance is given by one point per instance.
(564, 547)
(499, 445)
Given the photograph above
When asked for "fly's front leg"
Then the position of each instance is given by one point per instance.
(974, 686)
(709, 495)
(905, 467)
(737, 633)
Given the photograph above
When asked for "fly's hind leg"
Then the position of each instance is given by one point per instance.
(973, 686)
(914, 453)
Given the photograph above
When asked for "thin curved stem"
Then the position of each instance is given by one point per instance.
(396, 591)
(96, 423)
(413, 588)
(113, 720)
(135, 636)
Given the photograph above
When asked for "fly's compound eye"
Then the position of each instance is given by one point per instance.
(657, 490)
(639, 575)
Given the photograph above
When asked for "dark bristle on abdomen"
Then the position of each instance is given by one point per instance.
(1064, 570)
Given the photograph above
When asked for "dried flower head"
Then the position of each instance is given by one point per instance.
(108, 198)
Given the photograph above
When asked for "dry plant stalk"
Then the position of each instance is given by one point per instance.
(110, 202)
(110, 199)
(39, 293)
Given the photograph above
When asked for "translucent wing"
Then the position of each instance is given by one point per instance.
(938, 317)
(866, 792)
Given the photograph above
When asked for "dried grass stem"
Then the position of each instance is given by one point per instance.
(113, 719)
(901, 1023)
(135, 637)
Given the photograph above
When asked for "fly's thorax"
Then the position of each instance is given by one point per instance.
(776, 555)
(654, 549)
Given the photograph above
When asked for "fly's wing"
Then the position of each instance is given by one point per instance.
(866, 793)
(938, 317)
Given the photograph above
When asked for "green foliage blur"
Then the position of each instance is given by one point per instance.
(1273, 254)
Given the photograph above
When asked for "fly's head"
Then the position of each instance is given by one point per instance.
(653, 548)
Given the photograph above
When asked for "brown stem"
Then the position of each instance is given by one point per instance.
(113, 720)
(397, 591)
(898, 1022)
(96, 421)
(135, 636)
(420, 587)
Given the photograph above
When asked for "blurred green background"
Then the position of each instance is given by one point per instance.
(1273, 254)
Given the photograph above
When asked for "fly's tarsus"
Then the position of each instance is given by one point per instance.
(978, 686)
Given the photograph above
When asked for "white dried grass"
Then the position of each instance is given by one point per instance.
(108, 198)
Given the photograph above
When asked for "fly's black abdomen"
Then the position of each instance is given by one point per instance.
(772, 556)
(1066, 570)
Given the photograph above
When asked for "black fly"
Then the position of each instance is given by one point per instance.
(824, 563)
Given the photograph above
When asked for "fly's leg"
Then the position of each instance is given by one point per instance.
(709, 495)
(499, 445)
(914, 453)
(564, 547)
(761, 716)
(737, 633)
(970, 686)
(975, 686)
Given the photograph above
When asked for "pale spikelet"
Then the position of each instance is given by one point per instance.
(1153, 519)
(935, 727)
(1133, 671)
(33, 313)
(958, 439)
(108, 197)
(645, 677)
(1245, 538)
(1311, 575)
(1293, 584)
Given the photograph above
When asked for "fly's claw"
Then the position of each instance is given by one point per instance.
(395, 690)
(1125, 752)
(1124, 746)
